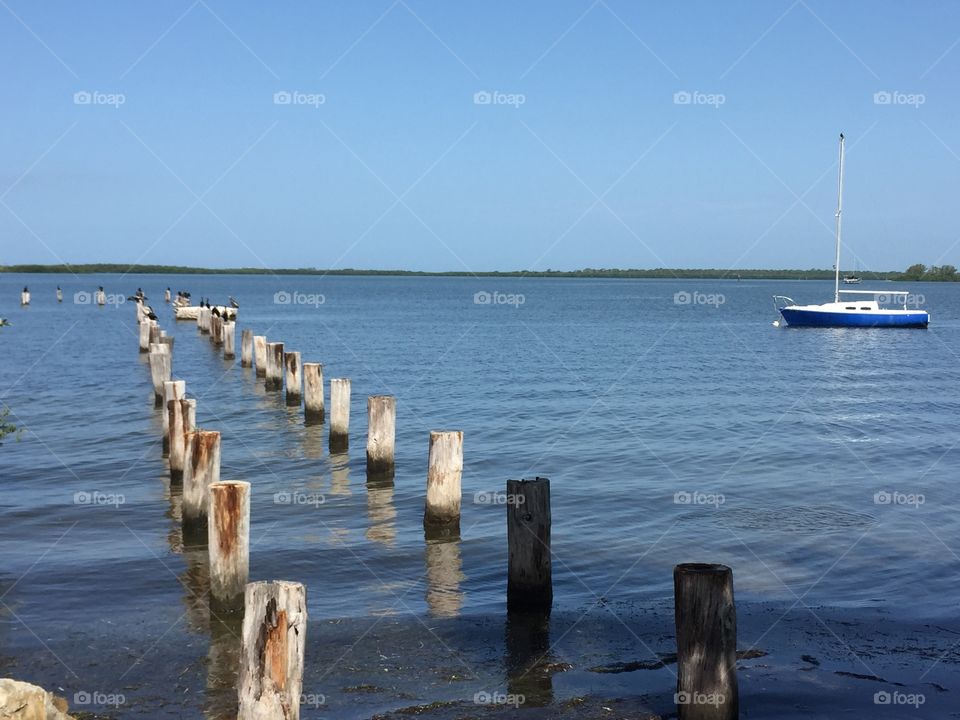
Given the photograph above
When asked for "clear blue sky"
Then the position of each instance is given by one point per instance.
(399, 167)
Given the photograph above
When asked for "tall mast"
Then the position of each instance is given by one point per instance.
(836, 265)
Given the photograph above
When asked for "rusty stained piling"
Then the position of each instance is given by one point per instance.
(144, 329)
(260, 354)
(173, 390)
(229, 544)
(160, 368)
(706, 625)
(339, 414)
(216, 330)
(313, 392)
(246, 348)
(529, 573)
(381, 434)
(294, 374)
(201, 468)
(229, 332)
(444, 471)
(181, 417)
(272, 654)
(274, 366)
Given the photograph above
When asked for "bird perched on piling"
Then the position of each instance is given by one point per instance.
(215, 312)
(150, 314)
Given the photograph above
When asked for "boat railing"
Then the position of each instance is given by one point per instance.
(786, 301)
(884, 295)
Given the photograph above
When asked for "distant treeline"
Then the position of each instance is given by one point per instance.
(914, 272)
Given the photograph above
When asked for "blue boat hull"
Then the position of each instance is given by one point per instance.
(807, 318)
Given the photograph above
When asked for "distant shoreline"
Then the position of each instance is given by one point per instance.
(666, 273)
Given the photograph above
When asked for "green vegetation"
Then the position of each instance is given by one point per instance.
(914, 272)
(6, 427)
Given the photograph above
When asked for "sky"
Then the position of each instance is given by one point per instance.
(477, 136)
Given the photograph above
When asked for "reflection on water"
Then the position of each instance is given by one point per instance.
(223, 667)
(339, 474)
(444, 574)
(174, 497)
(313, 441)
(381, 512)
(529, 657)
(195, 580)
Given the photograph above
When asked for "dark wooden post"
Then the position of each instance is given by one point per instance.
(529, 576)
(706, 621)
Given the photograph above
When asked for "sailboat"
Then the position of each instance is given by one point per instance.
(852, 310)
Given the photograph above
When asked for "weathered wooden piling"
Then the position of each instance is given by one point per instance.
(145, 336)
(189, 415)
(381, 434)
(271, 661)
(216, 329)
(140, 314)
(154, 332)
(260, 354)
(166, 296)
(339, 414)
(229, 543)
(444, 470)
(179, 424)
(313, 392)
(246, 348)
(160, 368)
(101, 297)
(173, 390)
(706, 624)
(203, 320)
(167, 340)
(201, 468)
(229, 340)
(529, 574)
(59, 294)
(274, 366)
(294, 378)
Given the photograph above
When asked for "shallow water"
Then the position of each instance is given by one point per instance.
(670, 432)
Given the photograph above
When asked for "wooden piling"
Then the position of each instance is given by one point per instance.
(154, 332)
(246, 348)
(201, 468)
(229, 340)
(167, 340)
(313, 392)
(203, 320)
(229, 543)
(272, 654)
(189, 415)
(178, 425)
(339, 414)
(706, 624)
(160, 367)
(216, 329)
(101, 298)
(25, 297)
(173, 390)
(381, 434)
(529, 574)
(294, 375)
(444, 470)
(140, 313)
(145, 336)
(274, 366)
(260, 354)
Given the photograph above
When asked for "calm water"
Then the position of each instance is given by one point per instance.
(619, 395)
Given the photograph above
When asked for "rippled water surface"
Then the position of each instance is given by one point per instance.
(670, 432)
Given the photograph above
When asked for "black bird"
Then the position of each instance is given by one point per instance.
(233, 302)
(152, 315)
(216, 312)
